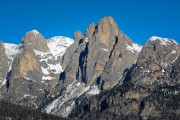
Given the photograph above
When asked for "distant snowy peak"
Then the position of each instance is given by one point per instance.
(61, 40)
(57, 45)
(11, 50)
(163, 41)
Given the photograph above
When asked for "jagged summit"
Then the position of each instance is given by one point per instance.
(78, 35)
(36, 40)
(98, 54)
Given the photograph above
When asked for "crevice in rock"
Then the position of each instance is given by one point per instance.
(8, 80)
(104, 105)
(127, 73)
(82, 63)
(62, 76)
(116, 41)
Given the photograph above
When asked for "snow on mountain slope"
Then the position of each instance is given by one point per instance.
(64, 104)
(35, 32)
(137, 47)
(12, 50)
(50, 61)
(58, 44)
(134, 48)
(164, 41)
(74, 90)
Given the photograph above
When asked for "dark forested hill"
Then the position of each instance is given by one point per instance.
(9, 111)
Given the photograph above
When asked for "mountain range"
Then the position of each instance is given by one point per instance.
(101, 74)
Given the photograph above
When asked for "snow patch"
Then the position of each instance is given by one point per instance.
(175, 59)
(41, 54)
(30, 79)
(45, 71)
(74, 90)
(134, 48)
(35, 32)
(52, 106)
(137, 47)
(173, 52)
(104, 49)
(130, 48)
(26, 95)
(86, 40)
(68, 109)
(147, 71)
(56, 68)
(47, 78)
(93, 90)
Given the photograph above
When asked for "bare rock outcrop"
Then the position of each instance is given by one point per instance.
(99, 57)
(36, 40)
(3, 63)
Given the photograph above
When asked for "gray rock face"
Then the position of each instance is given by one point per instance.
(175, 71)
(78, 35)
(151, 88)
(155, 62)
(3, 64)
(100, 57)
(36, 40)
(25, 86)
(95, 61)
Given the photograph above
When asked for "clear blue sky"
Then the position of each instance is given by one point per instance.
(138, 19)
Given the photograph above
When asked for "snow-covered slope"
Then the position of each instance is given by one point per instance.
(63, 105)
(134, 48)
(12, 50)
(58, 45)
(50, 61)
(163, 41)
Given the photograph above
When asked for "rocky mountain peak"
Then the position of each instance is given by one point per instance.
(107, 29)
(162, 41)
(100, 58)
(89, 32)
(155, 61)
(160, 49)
(78, 35)
(36, 40)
